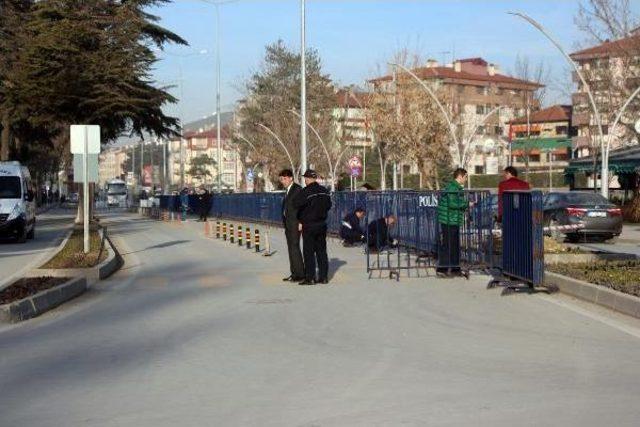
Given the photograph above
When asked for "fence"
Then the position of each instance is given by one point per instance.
(522, 239)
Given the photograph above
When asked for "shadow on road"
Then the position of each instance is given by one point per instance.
(160, 246)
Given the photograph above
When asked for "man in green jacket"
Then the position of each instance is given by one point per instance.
(451, 212)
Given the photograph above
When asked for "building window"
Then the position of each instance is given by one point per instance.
(481, 90)
(481, 130)
(497, 130)
(534, 158)
(561, 130)
(479, 109)
(499, 91)
(460, 89)
(479, 169)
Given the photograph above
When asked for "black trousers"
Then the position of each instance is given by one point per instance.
(295, 255)
(204, 211)
(314, 239)
(449, 248)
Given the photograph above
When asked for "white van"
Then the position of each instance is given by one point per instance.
(17, 202)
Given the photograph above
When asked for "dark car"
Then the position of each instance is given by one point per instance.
(602, 219)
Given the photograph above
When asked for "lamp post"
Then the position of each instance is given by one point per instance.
(303, 88)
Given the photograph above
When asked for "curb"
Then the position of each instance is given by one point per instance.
(587, 258)
(615, 300)
(42, 302)
(92, 275)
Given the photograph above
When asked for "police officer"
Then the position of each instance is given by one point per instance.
(314, 202)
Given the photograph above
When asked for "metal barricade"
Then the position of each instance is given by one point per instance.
(430, 231)
(522, 241)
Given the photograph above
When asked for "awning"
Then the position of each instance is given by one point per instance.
(621, 160)
(614, 167)
(542, 144)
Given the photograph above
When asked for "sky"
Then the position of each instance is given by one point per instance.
(354, 39)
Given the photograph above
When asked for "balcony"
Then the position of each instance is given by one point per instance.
(581, 119)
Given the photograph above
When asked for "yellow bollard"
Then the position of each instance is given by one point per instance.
(248, 237)
(224, 231)
(239, 235)
(232, 236)
(217, 229)
(256, 240)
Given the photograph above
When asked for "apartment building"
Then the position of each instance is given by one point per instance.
(542, 139)
(612, 71)
(111, 164)
(481, 102)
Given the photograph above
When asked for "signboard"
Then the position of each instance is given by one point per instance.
(92, 168)
(78, 135)
(492, 165)
(355, 166)
(637, 126)
(146, 176)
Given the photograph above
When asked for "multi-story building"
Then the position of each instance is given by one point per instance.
(111, 164)
(542, 139)
(612, 71)
(200, 139)
(352, 124)
(481, 102)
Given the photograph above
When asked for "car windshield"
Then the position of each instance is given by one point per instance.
(117, 189)
(10, 187)
(584, 199)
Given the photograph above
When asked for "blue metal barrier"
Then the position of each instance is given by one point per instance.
(522, 240)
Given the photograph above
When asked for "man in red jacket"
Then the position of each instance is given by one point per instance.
(511, 182)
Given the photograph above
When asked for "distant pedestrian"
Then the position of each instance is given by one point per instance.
(204, 203)
(291, 226)
(184, 203)
(314, 202)
(378, 233)
(511, 182)
(451, 211)
(350, 230)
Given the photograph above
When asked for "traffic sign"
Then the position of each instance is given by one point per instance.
(355, 166)
(78, 135)
(92, 168)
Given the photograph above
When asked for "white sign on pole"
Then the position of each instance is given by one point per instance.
(78, 133)
(92, 168)
(637, 126)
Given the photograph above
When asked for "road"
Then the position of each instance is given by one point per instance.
(16, 258)
(628, 242)
(196, 332)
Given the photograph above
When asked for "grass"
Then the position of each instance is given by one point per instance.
(623, 276)
(28, 286)
(73, 256)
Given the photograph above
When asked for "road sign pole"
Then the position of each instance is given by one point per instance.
(85, 186)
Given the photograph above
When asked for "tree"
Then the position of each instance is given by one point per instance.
(271, 93)
(81, 61)
(201, 168)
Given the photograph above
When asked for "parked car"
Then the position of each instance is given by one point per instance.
(602, 219)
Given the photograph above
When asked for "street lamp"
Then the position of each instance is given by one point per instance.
(303, 88)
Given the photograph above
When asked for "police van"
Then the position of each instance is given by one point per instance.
(17, 202)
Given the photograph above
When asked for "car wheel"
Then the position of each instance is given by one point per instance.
(32, 233)
(22, 236)
(573, 237)
(601, 238)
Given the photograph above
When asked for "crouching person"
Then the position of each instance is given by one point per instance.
(350, 230)
(378, 233)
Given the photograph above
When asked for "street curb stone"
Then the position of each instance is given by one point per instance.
(43, 301)
(615, 300)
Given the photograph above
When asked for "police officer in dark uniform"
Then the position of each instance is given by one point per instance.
(314, 202)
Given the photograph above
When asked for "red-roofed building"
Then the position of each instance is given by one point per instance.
(612, 71)
(471, 88)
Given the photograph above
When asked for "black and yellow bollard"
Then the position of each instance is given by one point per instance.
(224, 231)
(217, 229)
(248, 237)
(256, 240)
(232, 237)
(239, 235)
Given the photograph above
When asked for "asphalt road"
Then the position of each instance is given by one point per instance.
(628, 242)
(16, 258)
(196, 332)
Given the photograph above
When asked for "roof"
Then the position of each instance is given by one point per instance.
(620, 47)
(621, 160)
(209, 133)
(350, 99)
(555, 113)
(426, 73)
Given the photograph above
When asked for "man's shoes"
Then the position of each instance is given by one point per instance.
(323, 281)
(288, 279)
(306, 282)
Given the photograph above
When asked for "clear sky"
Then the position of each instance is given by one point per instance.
(354, 38)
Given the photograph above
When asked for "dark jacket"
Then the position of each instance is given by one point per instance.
(314, 202)
(350, 228)
(378, 232)
(289, 211)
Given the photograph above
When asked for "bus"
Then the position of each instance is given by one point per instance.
(117, 193)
